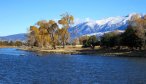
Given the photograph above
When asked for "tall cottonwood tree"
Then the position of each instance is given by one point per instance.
(33, 36)
(38, 35)
(44, 39)
(53, 32)
(66, 21)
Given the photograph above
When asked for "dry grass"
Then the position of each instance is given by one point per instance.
(98, 50)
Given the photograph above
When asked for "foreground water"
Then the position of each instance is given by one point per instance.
(21, 67)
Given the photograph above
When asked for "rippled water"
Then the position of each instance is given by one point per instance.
(21, 67)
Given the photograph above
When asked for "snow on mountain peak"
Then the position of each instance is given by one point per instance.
(99, 27)
(111, 20)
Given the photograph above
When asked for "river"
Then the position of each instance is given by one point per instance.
(23, 67)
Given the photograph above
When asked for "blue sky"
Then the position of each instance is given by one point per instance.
(17, 15)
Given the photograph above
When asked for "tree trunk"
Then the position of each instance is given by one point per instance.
(54, 46)
(63, 44)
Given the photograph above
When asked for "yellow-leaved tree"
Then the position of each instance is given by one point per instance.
(53, 32)
(44, 39)
(66, 21)
(33, 36)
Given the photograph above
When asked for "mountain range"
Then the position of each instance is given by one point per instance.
(90, 27)
(99, 27)
(16, 37)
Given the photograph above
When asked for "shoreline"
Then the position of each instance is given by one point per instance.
(8, 47)
(89, 51)
(84, 51)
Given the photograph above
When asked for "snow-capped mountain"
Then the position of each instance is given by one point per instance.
(99, 27)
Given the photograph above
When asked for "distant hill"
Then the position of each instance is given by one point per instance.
(15, 37)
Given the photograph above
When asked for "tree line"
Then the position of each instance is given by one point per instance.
(11, 43)
(134, 37)
(50, 33)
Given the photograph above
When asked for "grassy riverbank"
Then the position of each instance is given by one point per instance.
(97, 50)
(79, 50)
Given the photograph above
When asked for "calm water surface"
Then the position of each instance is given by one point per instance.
(21, 67)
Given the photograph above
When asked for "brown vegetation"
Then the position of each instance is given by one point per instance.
(48, 34)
